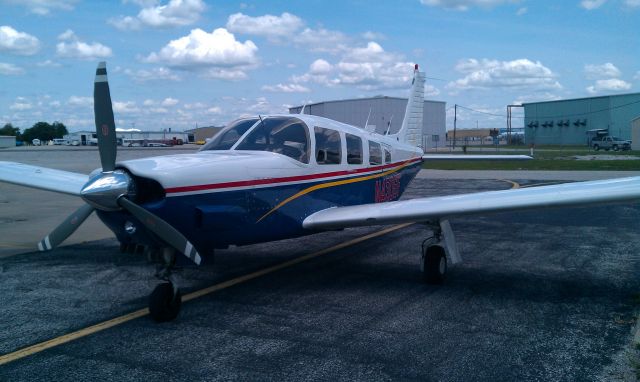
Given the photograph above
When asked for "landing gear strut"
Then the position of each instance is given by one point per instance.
(435, 250)
(165, 300)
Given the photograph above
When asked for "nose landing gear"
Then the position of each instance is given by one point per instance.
(165, 300)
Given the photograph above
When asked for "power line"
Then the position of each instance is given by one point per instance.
(487, 113)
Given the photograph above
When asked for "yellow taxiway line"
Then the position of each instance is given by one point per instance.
(33, 349)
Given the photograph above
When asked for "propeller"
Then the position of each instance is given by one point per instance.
(114, 188)
(64, 230)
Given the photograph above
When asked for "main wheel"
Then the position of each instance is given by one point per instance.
(434, 265)
(596, 147)
(163, 304)
(615, 148)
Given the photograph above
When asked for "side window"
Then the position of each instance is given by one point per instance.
(387, 156)
(328, 146)
(354, 149)
(375, 153)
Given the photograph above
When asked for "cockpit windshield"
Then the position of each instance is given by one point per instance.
(283, 135)
(228, 136)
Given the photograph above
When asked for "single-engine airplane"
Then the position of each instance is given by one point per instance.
(273, 177)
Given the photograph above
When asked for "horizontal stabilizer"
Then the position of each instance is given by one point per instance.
(425, 209)
(44, 178)
(453, 157)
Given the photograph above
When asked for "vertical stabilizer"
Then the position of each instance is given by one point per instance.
(411, 130)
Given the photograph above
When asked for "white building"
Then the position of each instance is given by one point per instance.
(86, 137)
(7, 141)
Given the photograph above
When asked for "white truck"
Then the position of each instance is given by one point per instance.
(608, 142)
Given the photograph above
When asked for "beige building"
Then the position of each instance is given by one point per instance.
(201, 134)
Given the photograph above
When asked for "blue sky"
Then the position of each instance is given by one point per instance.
(178, 63)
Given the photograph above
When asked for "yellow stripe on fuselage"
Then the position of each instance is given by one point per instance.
(333, 184)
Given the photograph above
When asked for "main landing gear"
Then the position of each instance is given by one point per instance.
(435, 249)
(165, 300)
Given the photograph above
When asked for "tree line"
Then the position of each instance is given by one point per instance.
(43, 131)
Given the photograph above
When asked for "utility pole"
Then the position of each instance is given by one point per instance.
(509, 128)
(455, 120)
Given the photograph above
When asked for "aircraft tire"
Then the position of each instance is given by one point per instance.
(163, 306)
(434, 265)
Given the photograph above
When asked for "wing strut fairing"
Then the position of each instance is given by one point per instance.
(435, 208)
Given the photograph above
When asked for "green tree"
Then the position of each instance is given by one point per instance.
(9, 130)
(45, 131)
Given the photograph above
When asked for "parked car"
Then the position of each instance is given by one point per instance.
(610, 143)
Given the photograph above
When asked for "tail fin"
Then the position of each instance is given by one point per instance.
(411, 130)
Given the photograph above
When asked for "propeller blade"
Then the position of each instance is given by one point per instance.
(65, 229)
(162, 229)
(105, 124)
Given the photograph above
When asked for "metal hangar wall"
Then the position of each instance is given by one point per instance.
(575, 121)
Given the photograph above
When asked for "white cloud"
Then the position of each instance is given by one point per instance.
(321, 40)
(48, 64)
(175, 13)
(463, 5)
(288, 29)
(632, 3)
(607, 70)
(15, 42)
(521, 11)
(536, 97)
(43, 7)
(226, 74)
(431, 91)
(367, 68)
(201, 49)
(520, 73)
(214, 110)
(610, 85)
(10, 69)
(155, 74)
(320, 66)
(371, 36)
(270, 26)
(72, 47)
(592, 4)
(80, 101)
(169, 102)
(21, 104)
(125, 107)
(286, 88)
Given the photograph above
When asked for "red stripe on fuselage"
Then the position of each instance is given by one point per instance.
(259, 182)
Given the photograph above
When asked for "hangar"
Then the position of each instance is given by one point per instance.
(576, 121)
(383, 110)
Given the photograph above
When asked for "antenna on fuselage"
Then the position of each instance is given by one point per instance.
(389, 125)
(302, 110)
(367, 121)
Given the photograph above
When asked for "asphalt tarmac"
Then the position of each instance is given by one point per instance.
(541, 295)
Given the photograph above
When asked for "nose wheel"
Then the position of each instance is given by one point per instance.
(165, 302)
(166, 299)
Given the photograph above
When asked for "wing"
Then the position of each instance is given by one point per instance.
(44, 178)
(424, 209)
(432, 157)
